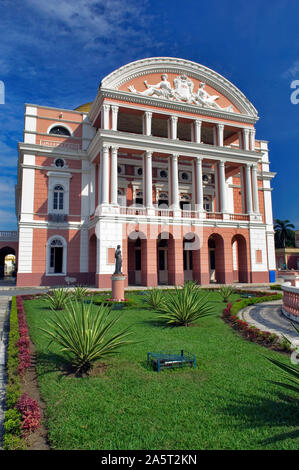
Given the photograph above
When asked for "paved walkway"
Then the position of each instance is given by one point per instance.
(268, 317)
(4, 330)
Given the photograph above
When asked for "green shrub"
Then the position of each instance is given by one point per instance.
(184, 306)
(12, 422)
(79, 293)
(13, 442)
(85, 334)
(275, 287)
(225, 292)
(155, 298)
(58, 298)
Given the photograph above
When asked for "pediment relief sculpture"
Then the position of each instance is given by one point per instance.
(183, 91)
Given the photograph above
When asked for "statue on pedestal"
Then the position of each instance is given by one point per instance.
(118, 260)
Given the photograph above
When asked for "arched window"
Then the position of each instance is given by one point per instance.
(59, 130)
(56, 256)
(58, 196)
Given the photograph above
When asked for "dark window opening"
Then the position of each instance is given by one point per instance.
(56, 259)
(59, 130)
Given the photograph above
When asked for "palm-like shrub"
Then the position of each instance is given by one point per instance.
(58, 298)
(184, 306)
(84, 333)
(154, 298)
(225, 292)
(291, 372)
(79, 293)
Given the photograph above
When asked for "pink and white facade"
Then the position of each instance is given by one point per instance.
(163, 162)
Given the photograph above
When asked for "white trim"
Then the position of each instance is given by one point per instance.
(48, 256)
(61, 124)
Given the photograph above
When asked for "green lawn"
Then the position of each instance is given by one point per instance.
(227, 402)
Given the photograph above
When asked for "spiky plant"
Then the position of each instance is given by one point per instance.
(184, 306)
(79, 293)
(154, 298)
(225, 292)
(291, 372)
(84, 333)
(58, 298)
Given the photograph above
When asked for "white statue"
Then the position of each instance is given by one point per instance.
(203, 98)
(162, 89)
(183, 88)
(183, 91)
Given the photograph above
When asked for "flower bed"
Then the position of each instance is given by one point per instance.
(251, 333)
(22, 414)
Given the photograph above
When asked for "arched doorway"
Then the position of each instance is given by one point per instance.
(240, 262)
(216, 259)
(188, 242)
(7, 262)
(92, 259)
(136, 255)
(162, 262)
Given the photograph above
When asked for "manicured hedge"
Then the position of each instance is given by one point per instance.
(22, 414)
(250, 332)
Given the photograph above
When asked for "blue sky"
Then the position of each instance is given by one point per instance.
(56, 53)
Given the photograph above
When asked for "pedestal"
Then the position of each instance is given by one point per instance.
(118, 287)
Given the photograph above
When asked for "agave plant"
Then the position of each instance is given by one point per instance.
(154, 298)
(57, 298)
(184, 306)
(84, 333)
(79, 293)
(225, 292)
(291, 373)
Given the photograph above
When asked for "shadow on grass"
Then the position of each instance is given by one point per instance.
(282, 410)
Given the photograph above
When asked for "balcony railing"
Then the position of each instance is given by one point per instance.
(58, 218)
(8, 235)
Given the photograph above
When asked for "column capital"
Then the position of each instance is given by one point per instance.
(148, 113)
(220, 125)
(246, 130)
(114, 108)
(174, 118)
(148, 153)
(105, 147)
(114, 148)
(198, 158)
(106, 107)
(198, 122)
(175, 156)
(222, 163)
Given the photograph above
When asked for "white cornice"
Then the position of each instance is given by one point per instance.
(168, 146)
(173, 105)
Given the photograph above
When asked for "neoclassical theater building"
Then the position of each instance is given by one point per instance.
(164, 162)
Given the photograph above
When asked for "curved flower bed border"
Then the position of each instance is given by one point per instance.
(249, 332)
(22, 415)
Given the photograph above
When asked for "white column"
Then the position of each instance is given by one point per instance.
(246, 139)
(148, 180)
(114, 109)
(175, 182)
(173, 127)
(199, 190)
(220, 131)
(222, 186)
(197, 131)
(105, 116)
(248, 189)
(114, 176)
(169, 182)
(105, 174)
(252, 139)
(147, 123)
(255, 189)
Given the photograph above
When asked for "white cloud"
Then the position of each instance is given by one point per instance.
(292, 71)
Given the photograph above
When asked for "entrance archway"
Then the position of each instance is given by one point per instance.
(216, 258)
(136, 257)
(240, 261)
(5, 254)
